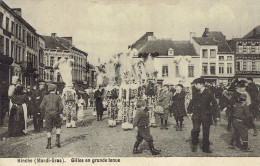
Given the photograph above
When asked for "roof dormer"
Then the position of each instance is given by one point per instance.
(170, 51)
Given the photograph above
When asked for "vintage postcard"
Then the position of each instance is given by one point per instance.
(100, 82)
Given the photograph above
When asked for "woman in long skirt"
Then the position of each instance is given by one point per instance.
(16, 118)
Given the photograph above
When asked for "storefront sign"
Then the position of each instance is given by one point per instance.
(248, 72)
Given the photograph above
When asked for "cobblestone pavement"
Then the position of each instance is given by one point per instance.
(96, 139)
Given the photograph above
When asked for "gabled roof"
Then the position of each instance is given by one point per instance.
(205, 40)
(221, 40)
(162, 46)
(56, 43)
(232, 43)
(142, 41)
(251, 34)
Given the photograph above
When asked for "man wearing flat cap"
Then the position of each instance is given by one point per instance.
(38, 115)
(53, 107)
(202, 106)
(141, 120)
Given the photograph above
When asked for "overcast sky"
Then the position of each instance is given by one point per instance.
(105, 27)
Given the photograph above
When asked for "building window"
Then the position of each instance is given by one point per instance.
(23, 35)
(12, 27)
(177, 71)
(191, 71)
(205, 68)
(229, 58)
(248, 65)
(204, 53)
(221, 58)
(7, 24)
(213, 53)
(16, 31)
(170, 51)
(239, 65)
(7, 47)
(229, 68)
(253, 49)
(257, 65)
(51, 61)
(221, 68)
(12, 49)
(1, 44)
(212, 68)
(165, 71)
(244, 49)
(1, 19)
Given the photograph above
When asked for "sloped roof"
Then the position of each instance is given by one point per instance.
(251, 34)
(162, 46)
(53, 43)
(205, 40)
(221, 40)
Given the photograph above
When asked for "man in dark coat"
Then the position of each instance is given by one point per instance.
(99, 105)
(38, 113)
(253, 92)
(141, 121)
(4, 102)
(201, 107)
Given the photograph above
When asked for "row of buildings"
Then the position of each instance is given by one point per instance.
(210, 55)
(30, 56)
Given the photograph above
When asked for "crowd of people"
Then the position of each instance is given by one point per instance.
(238, 99)
(202, 103)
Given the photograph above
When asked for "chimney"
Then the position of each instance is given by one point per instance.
(18, 11)
(206, 32)
(53, 35)
(192, 34)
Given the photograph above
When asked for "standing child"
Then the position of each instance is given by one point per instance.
(53, 108)
(141, 121)
(241, 101)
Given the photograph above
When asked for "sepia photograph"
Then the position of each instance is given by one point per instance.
(101, 81)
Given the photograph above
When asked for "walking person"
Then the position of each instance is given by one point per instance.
(253, 92)
(99, 102)
(16, 126)
(141, 120)
(201, 107)
(38, 114)
(52, 106)
(179, 106)
(240, 101)
(165, 102)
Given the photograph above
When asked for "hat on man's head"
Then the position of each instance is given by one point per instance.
(41, 83)
(140, 103)
(180, 85)
(199, 81)
(241, 84)
(52, 87)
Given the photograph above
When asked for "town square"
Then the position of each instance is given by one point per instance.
(128, 79)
